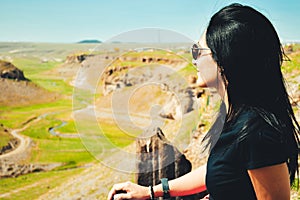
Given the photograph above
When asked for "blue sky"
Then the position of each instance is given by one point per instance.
(72, 21)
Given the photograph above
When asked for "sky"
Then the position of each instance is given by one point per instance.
(62, 21)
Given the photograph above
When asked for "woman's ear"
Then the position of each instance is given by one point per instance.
(223, 76)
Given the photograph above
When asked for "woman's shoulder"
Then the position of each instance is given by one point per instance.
(259, 125)
(261, 142)
(257, 116)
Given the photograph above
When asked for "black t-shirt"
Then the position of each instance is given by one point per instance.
(250, 143)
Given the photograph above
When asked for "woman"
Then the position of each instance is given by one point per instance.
(256, 155)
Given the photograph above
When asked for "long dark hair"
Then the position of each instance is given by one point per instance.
(249, 55)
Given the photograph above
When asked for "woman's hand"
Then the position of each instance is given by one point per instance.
(128, 191)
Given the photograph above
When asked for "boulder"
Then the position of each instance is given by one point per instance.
(157, 158)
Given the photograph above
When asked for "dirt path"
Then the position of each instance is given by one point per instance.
(20, 152)
(24, 144)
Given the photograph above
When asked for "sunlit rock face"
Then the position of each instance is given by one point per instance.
(9, 71)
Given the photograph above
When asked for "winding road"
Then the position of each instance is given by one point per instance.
(20, 151)
(24, 144)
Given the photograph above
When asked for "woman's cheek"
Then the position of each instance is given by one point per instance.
(207, 74)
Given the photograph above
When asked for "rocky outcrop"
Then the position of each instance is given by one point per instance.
(16, 89)
(178, 104)
(181, 96)
(118, 76)
(12, 142)
(182, 101)
(152, 59)
(9, 71)
(157, 158)
(8, 169)
(77, 58)
(9, 147)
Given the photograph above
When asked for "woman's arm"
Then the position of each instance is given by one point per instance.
(271, 183)
(190, 183)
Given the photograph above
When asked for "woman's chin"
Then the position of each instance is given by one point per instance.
(201, 84)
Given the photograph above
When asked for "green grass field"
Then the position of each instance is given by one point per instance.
(70, 152)
(31, 186)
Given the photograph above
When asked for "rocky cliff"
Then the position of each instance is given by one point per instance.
(9, 71)
(151, 69)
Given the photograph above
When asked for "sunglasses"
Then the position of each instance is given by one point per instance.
(196, 51)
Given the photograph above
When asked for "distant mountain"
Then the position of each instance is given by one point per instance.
(89, 41)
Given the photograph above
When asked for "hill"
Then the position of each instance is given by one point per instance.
(89, 41)
(9, 71)
(18, 90)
